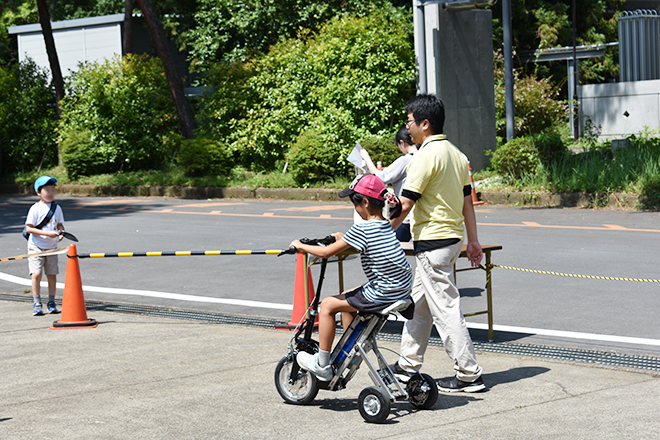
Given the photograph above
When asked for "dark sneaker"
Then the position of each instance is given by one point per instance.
(401, 374)
(37, 310)
(52, 308)
(455, 385)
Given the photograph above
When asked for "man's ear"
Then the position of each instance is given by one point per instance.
(425, 125)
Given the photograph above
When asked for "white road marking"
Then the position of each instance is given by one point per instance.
(268, 305)
(155, 294)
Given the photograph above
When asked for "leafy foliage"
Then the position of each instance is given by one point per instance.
(231, 30)
(126, 107)
(537, 107)
(516, 158)
(346, 81)
(204, 156)
(27, 118)
(79, 156)
(381, 148)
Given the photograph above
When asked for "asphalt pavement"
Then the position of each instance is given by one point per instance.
(528, 307)
(155, 378)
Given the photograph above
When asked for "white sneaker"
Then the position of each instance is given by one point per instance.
(310, 362)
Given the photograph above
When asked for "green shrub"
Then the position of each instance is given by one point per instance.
(27, 118)
(516, 158)
(536, 102)
(79, 156)
(312, 159)
(550, 146)
(381, 148)
(651, 189)
(348, 80)
(126, 105)
(204, 156)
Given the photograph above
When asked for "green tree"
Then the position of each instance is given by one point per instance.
(27, 118)
(349, 79)
(230, 30)
(539, 24)
(126, 107)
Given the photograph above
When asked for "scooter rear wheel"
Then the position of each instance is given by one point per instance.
(423, 391)
(300, 391)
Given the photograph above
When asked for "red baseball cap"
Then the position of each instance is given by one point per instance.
(368, 185)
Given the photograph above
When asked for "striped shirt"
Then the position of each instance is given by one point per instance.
(383, 261)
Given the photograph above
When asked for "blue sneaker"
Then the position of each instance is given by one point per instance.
(37, 310)
(310, 362)
(52, 308)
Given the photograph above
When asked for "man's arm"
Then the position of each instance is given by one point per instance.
(474, 252)
(406, 205)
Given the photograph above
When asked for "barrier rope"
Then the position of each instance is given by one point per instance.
(572, 275)
(179, 253)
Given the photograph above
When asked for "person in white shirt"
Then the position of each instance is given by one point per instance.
(395, 174)
(42, 239)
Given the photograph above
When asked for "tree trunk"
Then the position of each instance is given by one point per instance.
(166, 55)
(58, 80)
(128, 27)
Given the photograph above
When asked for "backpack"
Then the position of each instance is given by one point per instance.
(49, 215)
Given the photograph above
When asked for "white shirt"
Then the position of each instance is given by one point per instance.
(35, 215)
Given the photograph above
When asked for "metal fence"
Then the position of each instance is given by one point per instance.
(639, 45)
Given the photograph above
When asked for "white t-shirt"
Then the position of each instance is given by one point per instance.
(35, 215)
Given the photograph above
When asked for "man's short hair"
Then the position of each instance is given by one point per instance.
(428, 107)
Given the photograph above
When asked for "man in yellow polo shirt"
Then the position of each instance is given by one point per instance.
(437, 190)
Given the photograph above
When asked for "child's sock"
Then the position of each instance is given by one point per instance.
(37, 299)
(51, 299)
(324, 358)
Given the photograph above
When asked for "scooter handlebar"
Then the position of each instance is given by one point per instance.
(327, 240)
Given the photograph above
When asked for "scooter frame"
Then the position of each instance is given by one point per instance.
(297, 386)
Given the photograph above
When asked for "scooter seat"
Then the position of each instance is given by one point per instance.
(397, 306)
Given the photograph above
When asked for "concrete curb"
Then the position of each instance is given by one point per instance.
(532, 199)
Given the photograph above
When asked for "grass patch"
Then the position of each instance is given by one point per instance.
(238, 177)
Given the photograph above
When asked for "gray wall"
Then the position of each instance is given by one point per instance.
(462, 76)
(605, 105)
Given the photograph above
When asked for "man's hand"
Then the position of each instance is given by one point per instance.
(364, 154)
(474, 253)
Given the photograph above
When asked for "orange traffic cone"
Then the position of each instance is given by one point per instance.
(475, 199)
(301, 296)
(74, 312)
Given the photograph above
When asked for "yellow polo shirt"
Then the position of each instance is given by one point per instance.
(438, 172)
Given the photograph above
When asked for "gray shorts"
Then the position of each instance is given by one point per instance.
(47, 264)
(357, 300)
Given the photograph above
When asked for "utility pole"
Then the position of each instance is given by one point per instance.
(508, 71)
(576, 79)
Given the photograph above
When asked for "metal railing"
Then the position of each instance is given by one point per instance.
(639, 45)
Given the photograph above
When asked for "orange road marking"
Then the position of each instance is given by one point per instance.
(268, 214)
(315, 208)
(531, 224)
(215, 212)
(616, 227)
(592, 228)
(204, 205)
(325, 216)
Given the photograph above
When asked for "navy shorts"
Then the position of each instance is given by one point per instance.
(357, 300)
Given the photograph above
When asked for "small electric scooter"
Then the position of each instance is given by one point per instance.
(299, 387)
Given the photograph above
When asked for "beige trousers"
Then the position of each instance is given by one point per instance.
(437, 301)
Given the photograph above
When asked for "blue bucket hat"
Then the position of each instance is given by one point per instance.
(41, 181)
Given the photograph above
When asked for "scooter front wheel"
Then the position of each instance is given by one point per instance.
(374, 405)
(298, 391)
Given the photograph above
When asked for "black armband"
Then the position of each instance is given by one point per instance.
(467, 190)
(412, 195)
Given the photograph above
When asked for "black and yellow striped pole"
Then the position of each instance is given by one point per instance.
(179, 253)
